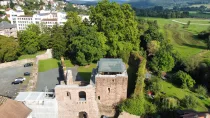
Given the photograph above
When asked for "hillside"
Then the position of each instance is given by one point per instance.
(165, 3)
(146, 3)
(184, 40)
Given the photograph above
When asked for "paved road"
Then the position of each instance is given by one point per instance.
(51, 78)
(7, 76)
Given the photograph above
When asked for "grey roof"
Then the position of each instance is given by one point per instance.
(111, 65)
(6, 25)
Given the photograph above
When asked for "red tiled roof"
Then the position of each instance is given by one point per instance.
(13, 109)
(8, 9)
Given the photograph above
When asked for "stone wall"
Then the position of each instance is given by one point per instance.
(16, 63)
(69, 105)
(34, 74)
(109, 92)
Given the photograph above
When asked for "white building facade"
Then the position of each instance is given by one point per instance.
(47, 18)
(4, 2)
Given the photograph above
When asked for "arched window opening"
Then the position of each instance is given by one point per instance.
(82, 96)
(83, 114)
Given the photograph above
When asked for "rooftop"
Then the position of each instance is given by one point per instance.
(13, 109)
(6, 25)
(111, 65)
(25, 16)
(41, 106)
(49, 19)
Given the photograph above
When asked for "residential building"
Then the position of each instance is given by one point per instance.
(7, 29)
(47, 18)
(13, 109)
(4, 2)
(12, 14)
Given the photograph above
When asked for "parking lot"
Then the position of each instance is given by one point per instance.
(7, 76)
(51, 78)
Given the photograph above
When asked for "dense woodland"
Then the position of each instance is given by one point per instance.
(114, 32)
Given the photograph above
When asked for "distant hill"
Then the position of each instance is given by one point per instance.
(148, 3)
(166, 3)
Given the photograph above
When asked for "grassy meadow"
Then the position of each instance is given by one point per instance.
(184, 40)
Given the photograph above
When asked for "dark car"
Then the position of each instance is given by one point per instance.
(28, 64)
(27, 74)
(17, 82)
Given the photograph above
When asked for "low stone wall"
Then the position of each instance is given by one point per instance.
(127, 115)
(16, 63)
(34, 73)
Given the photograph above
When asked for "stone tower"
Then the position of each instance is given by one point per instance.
(111, 83)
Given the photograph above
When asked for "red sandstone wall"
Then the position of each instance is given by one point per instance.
(118, 90)
(70, 108)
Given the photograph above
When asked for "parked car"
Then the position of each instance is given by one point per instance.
(27, 73)
(20, 79)
(17, 82)
(28, 64)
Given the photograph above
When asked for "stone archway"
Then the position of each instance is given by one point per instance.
(83, 114)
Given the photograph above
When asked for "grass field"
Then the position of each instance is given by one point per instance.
(31, 56)
(179, 93)
(83, 71)
(184, 39)
(45, 65)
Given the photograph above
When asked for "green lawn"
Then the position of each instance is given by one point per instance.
(85, 71)
(179, 93)
(45, 65)
(30, 56)
(183, 39)
(48, 64)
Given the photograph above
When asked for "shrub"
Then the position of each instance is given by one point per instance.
(183, 80)
(189, 102)
(201, 90)
(134, 105)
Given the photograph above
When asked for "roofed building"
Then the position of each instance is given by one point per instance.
(13, 109)
(7, 29)
(107, 87)
(111, 83)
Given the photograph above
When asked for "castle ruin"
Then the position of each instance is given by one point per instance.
(107, 87)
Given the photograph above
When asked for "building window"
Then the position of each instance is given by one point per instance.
(69, 95)
(99, 98)
(109, 90)
(82, 96)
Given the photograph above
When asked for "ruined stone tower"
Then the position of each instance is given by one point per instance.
(111, 83)
(107, 87)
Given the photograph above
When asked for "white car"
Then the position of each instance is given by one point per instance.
(20, 79)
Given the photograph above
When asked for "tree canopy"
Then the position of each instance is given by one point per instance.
(8, 49)
(119, 26)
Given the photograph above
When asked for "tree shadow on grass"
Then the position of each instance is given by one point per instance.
(194, 46)
(85, 76)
